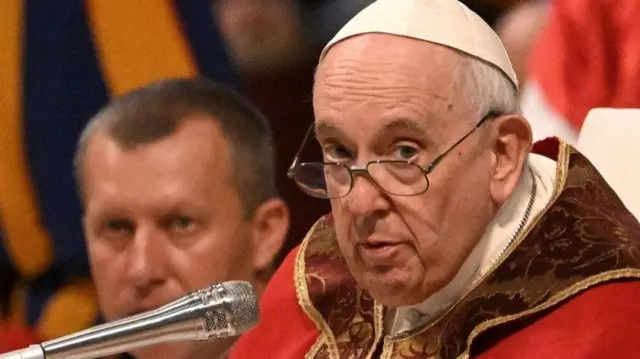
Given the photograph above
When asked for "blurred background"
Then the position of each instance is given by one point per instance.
(60, 61)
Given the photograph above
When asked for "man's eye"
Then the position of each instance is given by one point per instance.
(336, 153)
(405, 152)
(118, 227)
(117, 233)
(183, 224)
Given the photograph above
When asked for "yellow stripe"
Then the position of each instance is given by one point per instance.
(27, 241)
(72, 308)
(138, 42)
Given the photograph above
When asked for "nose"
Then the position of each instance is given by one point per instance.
(147, 259)
(365, 197)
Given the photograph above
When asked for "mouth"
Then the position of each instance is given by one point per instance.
(378, 242)
(376, 245)
(141, 310)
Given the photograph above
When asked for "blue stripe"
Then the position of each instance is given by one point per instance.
(63, 88)
(7, 277)
(5, 260)
(38, 293)
(205, 41)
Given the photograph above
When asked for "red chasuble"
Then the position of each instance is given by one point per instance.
(568, 288)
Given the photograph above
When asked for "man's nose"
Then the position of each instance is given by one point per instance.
(366, 196)
(147, 266)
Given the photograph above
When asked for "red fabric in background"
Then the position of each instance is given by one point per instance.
(588, 56)
(15, 336)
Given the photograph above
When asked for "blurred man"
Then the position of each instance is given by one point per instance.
(518, 30)
(178, 189)
(262, 36)
(586, 57)
(448, 237)
(59, 64)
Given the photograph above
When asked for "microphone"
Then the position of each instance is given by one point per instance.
(218, 311)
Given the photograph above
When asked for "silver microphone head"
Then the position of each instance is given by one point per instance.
(219, 311)
(240, 302)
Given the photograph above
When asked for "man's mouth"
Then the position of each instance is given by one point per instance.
(375, 245)
(141, 310)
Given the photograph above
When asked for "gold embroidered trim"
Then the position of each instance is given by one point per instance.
(378, 322)
(327, 338)
(387, 348)
(302, 292)
(315, 348)
(562, 167)
(561, 176)
(554, 300)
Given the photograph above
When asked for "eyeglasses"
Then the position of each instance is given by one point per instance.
(331, 180)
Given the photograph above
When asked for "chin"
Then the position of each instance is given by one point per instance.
(395, 299)
(400, 288)
(190, 350)
(392, 291)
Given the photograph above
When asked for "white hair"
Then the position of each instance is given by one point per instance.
(485, 88)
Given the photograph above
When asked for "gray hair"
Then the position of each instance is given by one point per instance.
(151, 113)
(485, 88)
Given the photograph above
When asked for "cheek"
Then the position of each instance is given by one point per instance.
(343, 226)
(108, 272)
(431, 222)
(451, 222)
(105, 266)
(419, 218)
(214, 259)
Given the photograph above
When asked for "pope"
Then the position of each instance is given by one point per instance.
(451, 235)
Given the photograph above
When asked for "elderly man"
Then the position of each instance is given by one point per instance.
(179, 192)
(448, 238)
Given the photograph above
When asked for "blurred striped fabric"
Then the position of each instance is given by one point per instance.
(60, 61)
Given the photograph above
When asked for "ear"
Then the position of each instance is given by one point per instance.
(270, 227)
(512, 141)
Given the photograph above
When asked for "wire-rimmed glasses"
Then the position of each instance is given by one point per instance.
(330, 180)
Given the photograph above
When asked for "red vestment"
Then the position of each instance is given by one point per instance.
(588, 57)
(15, 336)
(569, 289)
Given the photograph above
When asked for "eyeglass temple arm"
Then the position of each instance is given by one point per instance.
(437, 160)
(294, 163)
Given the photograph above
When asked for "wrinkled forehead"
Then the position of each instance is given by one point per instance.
(374, 79)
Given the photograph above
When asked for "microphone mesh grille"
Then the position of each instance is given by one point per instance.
(244, 305)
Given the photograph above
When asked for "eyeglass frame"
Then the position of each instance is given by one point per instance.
(426, 171)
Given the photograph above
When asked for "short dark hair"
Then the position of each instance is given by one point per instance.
(156, 111)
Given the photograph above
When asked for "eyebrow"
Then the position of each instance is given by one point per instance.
(399, 124)
(321, 127)
(402, 124)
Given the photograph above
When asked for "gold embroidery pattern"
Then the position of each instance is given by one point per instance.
(325, 345)
(320, 350)
(585, 237)
(349, 323)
